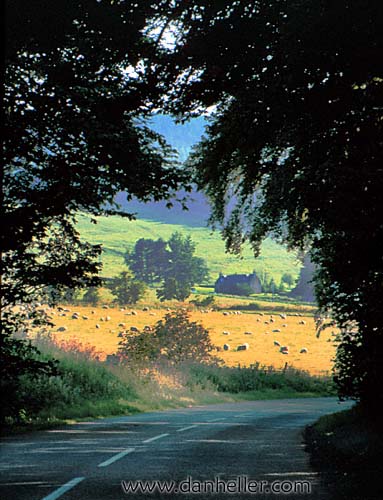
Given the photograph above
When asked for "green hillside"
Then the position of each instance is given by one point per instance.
(117, 234)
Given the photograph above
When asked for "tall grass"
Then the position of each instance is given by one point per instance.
(86, 387)
(257, 378)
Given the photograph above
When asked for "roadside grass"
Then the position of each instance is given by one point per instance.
(85, 387)
(117, 234)
(347, 448)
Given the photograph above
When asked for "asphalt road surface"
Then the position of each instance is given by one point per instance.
(225, 451)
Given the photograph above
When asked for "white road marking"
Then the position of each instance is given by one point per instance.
(64, 488)
(186, 428)
(216, 419)
(155, 438)
(116, 457)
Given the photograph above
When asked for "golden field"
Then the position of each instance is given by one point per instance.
(292, 333)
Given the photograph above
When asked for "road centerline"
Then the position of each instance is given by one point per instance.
(116, 457)
(186, 428)
(155, 438)
(64, 488)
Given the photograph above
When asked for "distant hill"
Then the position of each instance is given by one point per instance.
(196, 216)
(155, 221)
(181, 137)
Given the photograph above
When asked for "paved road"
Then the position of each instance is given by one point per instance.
(243, 443)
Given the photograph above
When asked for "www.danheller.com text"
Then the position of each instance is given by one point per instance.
(240, 484)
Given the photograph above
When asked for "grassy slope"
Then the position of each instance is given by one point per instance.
(117, 234)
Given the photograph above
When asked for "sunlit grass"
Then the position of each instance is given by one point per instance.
(116, 234)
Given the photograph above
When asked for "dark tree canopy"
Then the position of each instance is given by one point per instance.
(76, 94)
(80, 78)
(294, 146)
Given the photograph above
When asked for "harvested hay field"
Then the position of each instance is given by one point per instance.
(99, 327)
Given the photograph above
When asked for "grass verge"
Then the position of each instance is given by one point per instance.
(347, 449)
(87, 388)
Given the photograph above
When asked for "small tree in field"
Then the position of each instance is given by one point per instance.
(126, 289)
(175, 339)
(183, 340)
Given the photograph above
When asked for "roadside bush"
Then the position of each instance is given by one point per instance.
(79, 380)
(175, 339)
(258, 378)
